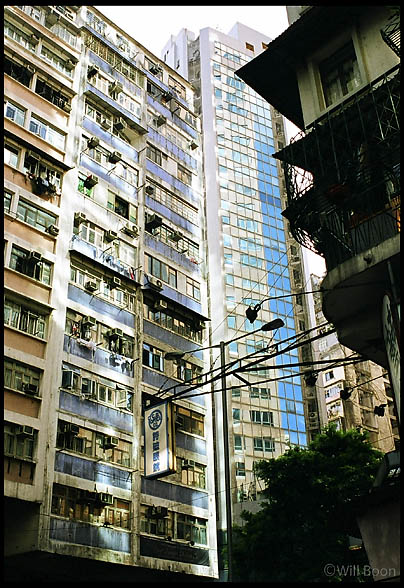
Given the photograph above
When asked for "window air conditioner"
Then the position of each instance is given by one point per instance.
(161, 120)
(105, 123)
(92, 70)
(110, 236)
(25, 431)
(52, 230)
(67, 107)
(115, 283)
(79, 217)
(119, 124)
(193, 145)
(88, 320)
(114, 157)
(175, 236)
(71, 429)
(154, 69)
(87, 387)
(186, 464)
(31, 389)
(160, 305)
(115, 88)
(155, 283)
(93, 142)
(166, 96)
(131, 230)
(104, 498)
(149, 190)
(110, 442)
(115, 333)
(34, 257)
(153, 221)
(52, 18)
(91, 285)
(90, 182)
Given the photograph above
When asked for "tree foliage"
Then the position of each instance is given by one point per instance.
(308, 512)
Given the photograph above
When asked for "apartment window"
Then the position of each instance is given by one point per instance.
(18, 376)
(39, 169)
(34, 216)
(17, 71)
(8, 196)
(184, 175)
(56, 61)
(81, 505)
(11, 155)
(269, 444)
(236, 415)
(153, 524)
(160, 270)
(261, 417)
(193, 289)
(14, 113)
(249, 46)
(238, 442)
(340, 74)
(240, 468)
(56, 97)
(82, 188)
(329, 375)
(231, 322)
(191, 528)
(46, 132)
(192, 473)
(264, 393)
(22, 38)
(154, 154)
(153, 357)
(16, 445)
(190, 421)
(166, 319)
(21, 262)
(24, 319)
(90, 233)
(122, 207)
(258, 444)
(187, 371)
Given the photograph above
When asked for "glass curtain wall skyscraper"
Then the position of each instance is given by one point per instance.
(247, 244)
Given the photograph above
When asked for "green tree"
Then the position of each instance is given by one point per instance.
(308, 512)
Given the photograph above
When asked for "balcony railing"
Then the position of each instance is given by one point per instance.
(342, 176)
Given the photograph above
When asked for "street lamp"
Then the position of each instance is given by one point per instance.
(271, 326)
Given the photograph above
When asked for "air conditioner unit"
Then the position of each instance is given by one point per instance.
(91, 285)
(90, 181)
(120, 124)
(161, 120)
(115, 333)
(93, 142)
(155, 283)
(110, 442)
(176, 236)
(52, 18)
(160, 305)
(114, 157)
(131, 230)
(71, 429)
(88, 320)
(149, 190)
(110, 236)
(25, 431)
(154, 69)
(186, 464)
(199, 325)
(67, 107)
(115, 283)
(32, 156)
(92, 70)
(105, 123)
(166, 96)
(104, 498)
(79, 217)
(34, 257)
(193, 145)
(115, 88)
(31, 389)
(52, 230)
(153, 221)
(87, 387)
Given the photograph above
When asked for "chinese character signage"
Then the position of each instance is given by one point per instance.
(159, 441)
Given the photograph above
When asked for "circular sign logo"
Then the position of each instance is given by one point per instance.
(155, 419)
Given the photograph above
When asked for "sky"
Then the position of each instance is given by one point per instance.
(153, 25)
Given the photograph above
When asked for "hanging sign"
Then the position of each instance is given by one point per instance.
(159, 458)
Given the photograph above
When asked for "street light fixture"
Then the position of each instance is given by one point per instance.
(271, 326)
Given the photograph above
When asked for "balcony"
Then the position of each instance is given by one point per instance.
(342, 175)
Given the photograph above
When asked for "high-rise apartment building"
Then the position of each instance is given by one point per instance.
(249, 253)
(104, 274)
